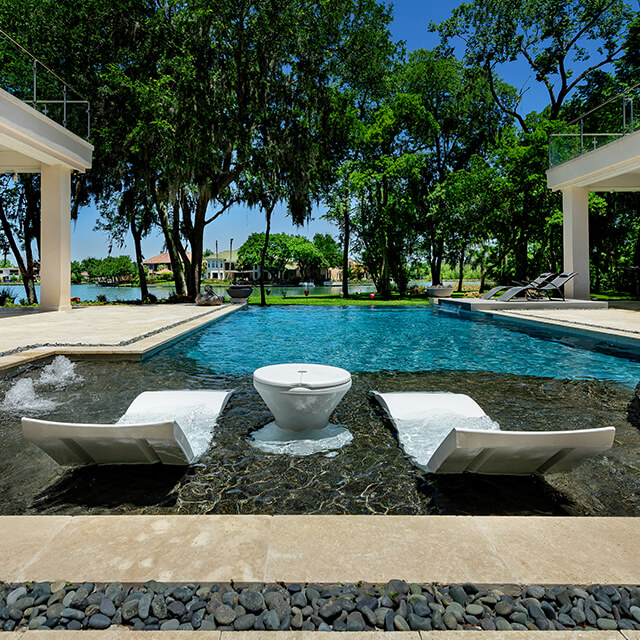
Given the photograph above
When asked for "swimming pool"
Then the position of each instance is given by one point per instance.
(368, 339)
(522, 380)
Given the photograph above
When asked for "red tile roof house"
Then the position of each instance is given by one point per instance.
(161, 262)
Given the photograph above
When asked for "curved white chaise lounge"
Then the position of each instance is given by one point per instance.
(172, 427)
(450, 433)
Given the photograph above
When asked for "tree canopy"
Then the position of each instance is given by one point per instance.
(420, 157)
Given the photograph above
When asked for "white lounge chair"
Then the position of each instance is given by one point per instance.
(450, 433)
(172, 427)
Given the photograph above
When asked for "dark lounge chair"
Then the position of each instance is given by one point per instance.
(541, 291)
(555, 286)
(542, 279)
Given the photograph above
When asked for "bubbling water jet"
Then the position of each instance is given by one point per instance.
(60, 373)
(22, 398)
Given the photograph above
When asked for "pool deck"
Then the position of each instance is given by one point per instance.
(445, 549)
(499, 551)
(618, 324)
(113, 332)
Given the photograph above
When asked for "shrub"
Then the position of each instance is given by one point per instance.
(101, 297)
(6, 295)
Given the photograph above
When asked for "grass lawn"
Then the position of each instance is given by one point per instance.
(354, 299)
(613, 295)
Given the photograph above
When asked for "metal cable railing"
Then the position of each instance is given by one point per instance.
(602, 125)
(58, 108)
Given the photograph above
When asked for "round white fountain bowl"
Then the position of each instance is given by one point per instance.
(301, 396)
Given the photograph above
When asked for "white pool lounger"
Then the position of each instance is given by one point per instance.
(450, 433)
(172, 427)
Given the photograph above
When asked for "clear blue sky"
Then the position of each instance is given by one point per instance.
(411, 18)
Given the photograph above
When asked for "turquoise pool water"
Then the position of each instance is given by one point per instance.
(369, 339)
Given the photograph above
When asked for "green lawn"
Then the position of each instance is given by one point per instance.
(354, 299)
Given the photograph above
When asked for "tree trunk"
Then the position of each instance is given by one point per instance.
(345, 250)
(137, 243)
(435, 263)
(174, 256)
(182, 264)
(263, 255)
(461, 267)
(521, 251)
(26, 269)
(196, 240)
(385, 279)
(31, 230)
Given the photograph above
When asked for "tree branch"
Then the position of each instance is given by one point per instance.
(512, 112)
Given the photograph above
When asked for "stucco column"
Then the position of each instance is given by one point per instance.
(575, 229)
(55, 238)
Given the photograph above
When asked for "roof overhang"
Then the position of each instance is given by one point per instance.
(614, 167)
(28, 140)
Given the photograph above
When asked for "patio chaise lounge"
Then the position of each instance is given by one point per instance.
(542, 279)
(172, 427)
(541, 291)
(450, 433)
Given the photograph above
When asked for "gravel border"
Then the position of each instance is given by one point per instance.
(394, 606)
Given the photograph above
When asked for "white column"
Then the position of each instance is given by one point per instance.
(55, 238)
(575, 229)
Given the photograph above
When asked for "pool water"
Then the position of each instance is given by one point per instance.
(371, 339)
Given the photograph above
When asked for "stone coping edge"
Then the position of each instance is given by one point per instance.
(113, 633)
(619, 338)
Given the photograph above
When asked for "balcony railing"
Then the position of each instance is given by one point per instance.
(27, 78)
(598, 127)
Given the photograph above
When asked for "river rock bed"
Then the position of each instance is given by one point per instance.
(394, 606)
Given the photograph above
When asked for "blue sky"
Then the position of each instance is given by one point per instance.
(411, 18)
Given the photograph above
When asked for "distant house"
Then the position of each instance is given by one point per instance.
(358, 271)
(7, 273)
(160, 263)
(223, 266)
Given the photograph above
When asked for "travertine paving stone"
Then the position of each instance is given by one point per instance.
(553, 550)
(23, 539)
(117, 634)
(620, 326)
(139, 548)
(323, 635)
(525, 635)
(101, 331)
(444, 549)
(378, 548)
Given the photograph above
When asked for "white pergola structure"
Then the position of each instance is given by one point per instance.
(613, 167)
(32, 143)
